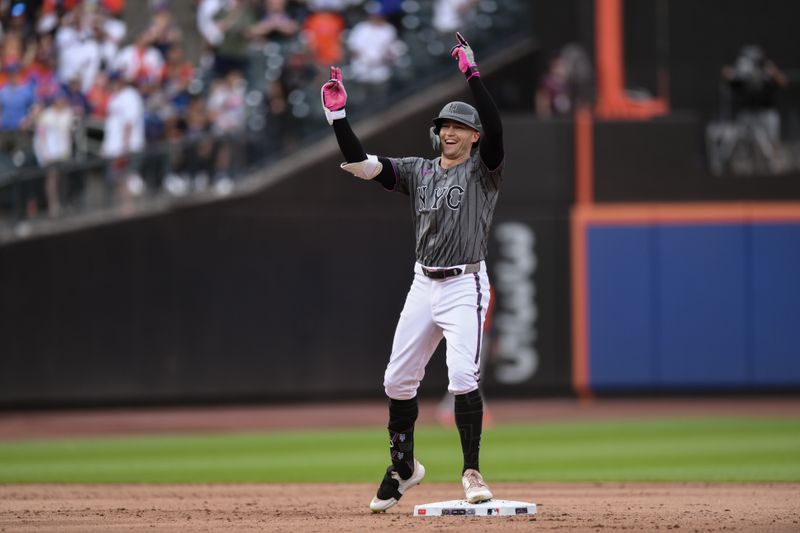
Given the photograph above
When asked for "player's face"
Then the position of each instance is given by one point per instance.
(457, 139)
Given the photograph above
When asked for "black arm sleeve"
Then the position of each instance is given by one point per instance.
(353, 152)
(491, 146)
(349, 144)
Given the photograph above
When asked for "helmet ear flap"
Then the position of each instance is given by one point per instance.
(435, 140)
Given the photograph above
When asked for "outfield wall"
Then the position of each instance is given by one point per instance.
(690, 297)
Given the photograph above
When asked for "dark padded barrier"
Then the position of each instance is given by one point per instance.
(292, 293)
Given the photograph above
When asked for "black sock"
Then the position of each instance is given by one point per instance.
(402, 416)
(469, 421)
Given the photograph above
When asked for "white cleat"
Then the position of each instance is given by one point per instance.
(393, 487)
(475, 488)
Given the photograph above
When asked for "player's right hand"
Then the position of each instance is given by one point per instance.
(334, 97)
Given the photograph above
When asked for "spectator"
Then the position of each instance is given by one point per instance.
(79, 53)
(16, 112)
(553, 96)
(79, 104)
(50, 14)
(160, 118)
(284, 108)
(157, 111)
(226, 107)
(393, 11)
(140, 62)
(19, 22)
(43, 75)
(200, 145)
(372, 46)
(276, 24)
(276, 27)
(193, 150)
(124, 136)
(754, 82)
(163, 33)
(115, 7)
(323, 31)
(580, 73)
(17, 99)
(86, 18)
(43, 70)
(14, 51)
(98, 97)
(234, 21)
(453, 15)
(177, 77)
(45, 48)
(111, 32)
(207, 11)
(77, 100)
(52, 145)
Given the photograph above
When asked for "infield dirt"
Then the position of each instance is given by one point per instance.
(308, 508)
(338, 508)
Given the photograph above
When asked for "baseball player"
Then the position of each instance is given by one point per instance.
(452, 201)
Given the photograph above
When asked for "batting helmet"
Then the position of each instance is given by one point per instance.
(459, 112)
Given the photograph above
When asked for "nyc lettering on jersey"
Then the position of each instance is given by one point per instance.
(450, 196)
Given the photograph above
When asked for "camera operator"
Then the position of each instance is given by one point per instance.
(754, 81)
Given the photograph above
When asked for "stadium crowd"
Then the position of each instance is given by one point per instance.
(76, 83)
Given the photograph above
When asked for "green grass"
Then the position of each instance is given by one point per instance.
(708, 449)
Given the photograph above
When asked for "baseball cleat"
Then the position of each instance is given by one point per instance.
(475, 488)
(393, 487)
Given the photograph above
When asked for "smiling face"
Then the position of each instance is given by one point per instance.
(456, 140)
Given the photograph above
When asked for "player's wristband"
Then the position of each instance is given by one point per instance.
(334, 115)
(472, 72)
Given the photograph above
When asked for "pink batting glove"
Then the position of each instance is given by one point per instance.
(465, 57)
(334, 97)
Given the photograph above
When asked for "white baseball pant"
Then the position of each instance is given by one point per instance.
(453, 308)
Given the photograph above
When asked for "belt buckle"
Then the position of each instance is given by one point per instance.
(452, 272)
(441, 273)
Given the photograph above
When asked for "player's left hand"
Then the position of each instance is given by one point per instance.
(462, 52)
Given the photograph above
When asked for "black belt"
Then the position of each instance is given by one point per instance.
(444, 273)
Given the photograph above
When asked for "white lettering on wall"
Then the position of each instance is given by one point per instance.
(516, 359)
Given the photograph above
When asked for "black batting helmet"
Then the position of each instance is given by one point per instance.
(459, 112)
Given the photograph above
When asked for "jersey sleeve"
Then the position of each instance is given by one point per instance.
(406, 170)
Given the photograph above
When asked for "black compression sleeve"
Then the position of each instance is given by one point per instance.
(353, 152)
(349, 144)
(386, 177)
(492, 140)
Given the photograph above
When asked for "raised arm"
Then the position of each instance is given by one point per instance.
(359, 163)
(491, 146)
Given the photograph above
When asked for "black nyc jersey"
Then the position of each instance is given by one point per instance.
(452, 208)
